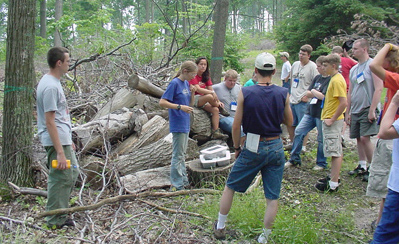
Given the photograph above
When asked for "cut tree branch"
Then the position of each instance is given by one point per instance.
(125, 197)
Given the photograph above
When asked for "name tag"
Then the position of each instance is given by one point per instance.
(233, 106)
(295, 83)
(360, 78)
(313, 101)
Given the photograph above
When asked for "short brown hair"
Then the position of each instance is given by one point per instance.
(307, 48)
(333, 59)
(55, 54)
(337, 50)
(320, 59)
(363, 43)
(231, 73)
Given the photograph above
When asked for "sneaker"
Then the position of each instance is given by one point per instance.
(223, 111)
(218, 134)
(289, 165)
(359, 170)
(68, 222)
(220, 234)
(317, 168)
(262, 238)
(366, 176)
(326, 180)
(303, 149)
(325, 187)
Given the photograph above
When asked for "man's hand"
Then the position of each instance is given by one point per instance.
(62, 163)
(348, 119)
(371, 116)
(328, 122)
(305, 99)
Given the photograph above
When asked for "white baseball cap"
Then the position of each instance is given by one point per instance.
(265, 61)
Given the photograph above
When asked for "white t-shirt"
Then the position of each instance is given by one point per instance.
(285, 70)
(393, 181)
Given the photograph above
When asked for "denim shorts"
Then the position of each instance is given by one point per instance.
(269, 160)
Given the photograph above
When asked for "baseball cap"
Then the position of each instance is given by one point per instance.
(285, 54)
(265, 61)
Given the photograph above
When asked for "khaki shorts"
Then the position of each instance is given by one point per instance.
(379, 169)
(196, 98)
(332, 141)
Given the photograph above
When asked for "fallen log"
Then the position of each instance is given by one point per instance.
(152, 131)
(146, 180)
(122, 99)
(110, 128)
(157, 154)
(200, 127)
(26, 190)
(145, 86)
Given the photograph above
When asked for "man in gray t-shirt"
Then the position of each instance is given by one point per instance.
(54, 126)
(363, 97)
(227, 93)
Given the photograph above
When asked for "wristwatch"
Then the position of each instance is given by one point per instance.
(178, 107)
(237, 148)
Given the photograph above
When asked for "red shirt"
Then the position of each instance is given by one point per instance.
(391, 82)
(346, 65)
(198, 81)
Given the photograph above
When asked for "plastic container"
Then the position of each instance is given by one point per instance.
(212, 163)
(54, 163)
(217, 151)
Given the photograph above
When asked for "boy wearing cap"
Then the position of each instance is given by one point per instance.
(332, 116)
(285, 70)
(260, 109)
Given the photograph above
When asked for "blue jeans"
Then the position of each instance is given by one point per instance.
(298, 111)
(307, 124)
(287, 85)
(269, 160)
(178, 173)
(388, 228)
(226, 124)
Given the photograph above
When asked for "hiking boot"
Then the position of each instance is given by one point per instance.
(68, 222)
(218, 134)
(359, 170)
(317, 168)
(223, 111)
(290, 164)
(326, 180)
(220, 234)
(325, 187)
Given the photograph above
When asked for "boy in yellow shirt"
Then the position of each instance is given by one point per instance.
(333, 119)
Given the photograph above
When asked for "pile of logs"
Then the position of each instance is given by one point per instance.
(131, 133)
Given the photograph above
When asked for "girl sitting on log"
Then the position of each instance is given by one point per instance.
(179, 99)
(206, 98)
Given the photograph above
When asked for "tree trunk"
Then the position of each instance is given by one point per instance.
(220, 16)
(43, 19)
(58, 14)
(18, 94)
(157, 154)
(145, 86)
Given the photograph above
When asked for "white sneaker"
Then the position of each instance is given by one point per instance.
(288, 165)
(303, 149)
(317, 168)
(262, 238)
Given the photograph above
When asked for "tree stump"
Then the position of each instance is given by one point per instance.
(200, 177)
